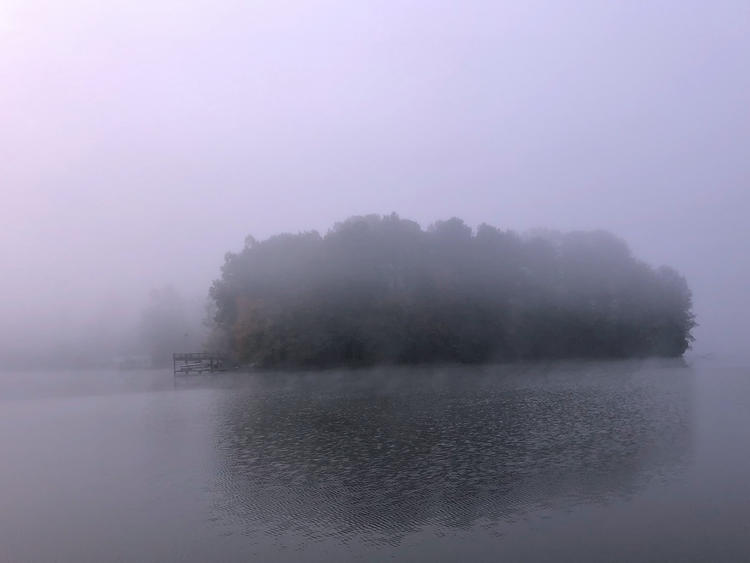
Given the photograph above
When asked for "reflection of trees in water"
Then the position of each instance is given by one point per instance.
(382, 454)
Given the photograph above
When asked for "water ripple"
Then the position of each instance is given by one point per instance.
(378, 454)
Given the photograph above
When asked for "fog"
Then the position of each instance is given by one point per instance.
(141, 141)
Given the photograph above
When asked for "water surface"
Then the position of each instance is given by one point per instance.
(623, 461)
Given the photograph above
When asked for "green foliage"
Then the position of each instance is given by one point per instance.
(380, 289)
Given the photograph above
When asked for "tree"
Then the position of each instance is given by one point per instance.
(381, 289)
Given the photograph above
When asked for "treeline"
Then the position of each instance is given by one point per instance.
(383, 290)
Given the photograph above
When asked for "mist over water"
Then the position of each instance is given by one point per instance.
(151, 153)
(431, 463)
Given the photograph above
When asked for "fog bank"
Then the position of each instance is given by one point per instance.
(141, 141)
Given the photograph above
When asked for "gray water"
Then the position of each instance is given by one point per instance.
(617, 461)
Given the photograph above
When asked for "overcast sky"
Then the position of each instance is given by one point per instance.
(141, 140)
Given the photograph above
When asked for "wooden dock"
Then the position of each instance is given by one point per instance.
(197, 362)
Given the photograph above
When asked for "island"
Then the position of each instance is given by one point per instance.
(383, 290)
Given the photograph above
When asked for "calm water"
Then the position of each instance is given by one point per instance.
(624, 461)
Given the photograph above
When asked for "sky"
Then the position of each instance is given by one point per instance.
(141, 140)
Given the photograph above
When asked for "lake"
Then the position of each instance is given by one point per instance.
(596, 461)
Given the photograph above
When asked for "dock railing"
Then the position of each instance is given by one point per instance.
(197, 362)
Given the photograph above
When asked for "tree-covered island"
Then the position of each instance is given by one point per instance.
(383, 290)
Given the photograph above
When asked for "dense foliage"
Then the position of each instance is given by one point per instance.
(380, 289)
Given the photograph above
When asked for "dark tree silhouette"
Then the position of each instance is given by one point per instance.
(382, 290)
